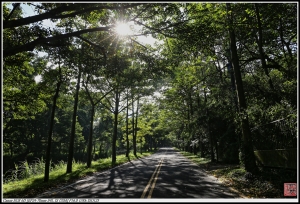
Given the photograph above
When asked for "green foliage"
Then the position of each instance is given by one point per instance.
(33, 184)
(24, 171)
(197, 98)
(268, 184)
(202, 42)
(195, 158)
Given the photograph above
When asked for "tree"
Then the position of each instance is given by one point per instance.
(93, 102)
(222, 71)
(93, 81)
(56, 95)
(41, 36)
(72, 136)
(116, 81)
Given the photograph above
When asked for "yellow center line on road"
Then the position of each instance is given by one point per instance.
(153, 184)
(153, 179)
(154, 176)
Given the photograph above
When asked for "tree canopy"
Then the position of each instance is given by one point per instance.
(220, 80)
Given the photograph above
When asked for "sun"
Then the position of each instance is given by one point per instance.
(123, 29)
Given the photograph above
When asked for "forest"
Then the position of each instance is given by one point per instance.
(220, 80)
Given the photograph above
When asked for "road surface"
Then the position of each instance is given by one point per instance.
(165, 174)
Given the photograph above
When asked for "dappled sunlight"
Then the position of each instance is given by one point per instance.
(96, 87)
(177, 178)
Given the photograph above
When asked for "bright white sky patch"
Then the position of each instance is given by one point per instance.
(123, 29)
(38, 78)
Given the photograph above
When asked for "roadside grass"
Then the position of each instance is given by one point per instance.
(267, 184)
(195, 158)
(27, 181)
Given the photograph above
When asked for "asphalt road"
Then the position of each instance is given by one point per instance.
(165, 174)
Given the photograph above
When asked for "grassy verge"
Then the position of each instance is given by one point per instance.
(34, 184)
(267, 184)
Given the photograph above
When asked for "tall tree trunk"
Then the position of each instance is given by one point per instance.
(217, 150)
(141, 146)
(90, 141)
(55, 97)
(114, 138)
(127, 131)
(94, 148)
(283, 43)
(232, 79)
(210, 136)
(59, 148)
(136, 120)
(100, 149)
(202, 149)
(261, 50)
(11, 149)
(189, 139)
(133, 129)
(247, 147)
(72, 137)
(201, 145)
(191, 126)
(150, 143)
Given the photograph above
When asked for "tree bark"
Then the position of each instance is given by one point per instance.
(260, 46)
(127, 130)
(48, 151)
(210, 136)
(100, 149)
(16, 5)
(201, 145)
(150, 143)
(133, 129)
(72, 137)
(90, 142)
(247, 147)
(136, 119)
(114, 138)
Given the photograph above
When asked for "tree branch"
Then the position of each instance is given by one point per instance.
(154, 29)
(16, 5)
(43, 41)
(108, 108)
(139, 43)
(141, 12)
(56, 14)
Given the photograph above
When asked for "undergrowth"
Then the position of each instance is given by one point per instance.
(27, 180)
(268, 183)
